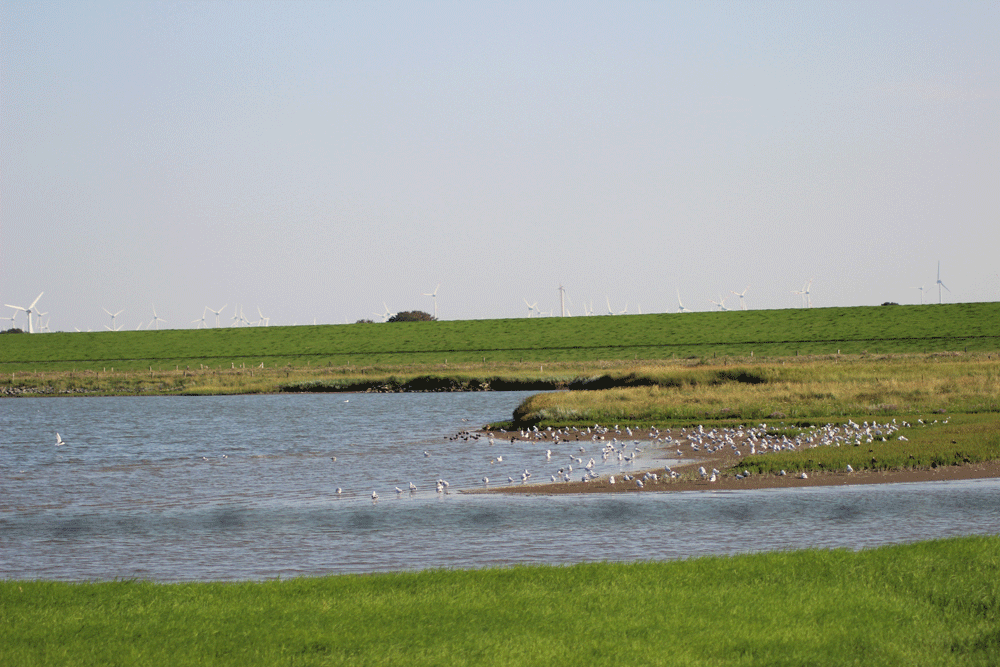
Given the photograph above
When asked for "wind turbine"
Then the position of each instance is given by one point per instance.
(721, 303)
(623, 311)
(238, 319)
(156, 319)
(939, 284)
(27, 311)
(113, 316)
(921, 288)
(217, 313)
(562, 299)
(531, 307)
(11, 318)
(433, 295)
(680, 306)
(806, 294)
(42, 328)
(201, 322)
(385, 316)
(263, 320)
(743, 303)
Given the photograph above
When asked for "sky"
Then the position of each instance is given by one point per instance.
(329, 161)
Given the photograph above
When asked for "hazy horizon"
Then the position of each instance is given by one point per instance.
(326, 161)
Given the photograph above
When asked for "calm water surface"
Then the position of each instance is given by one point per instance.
(242, 487)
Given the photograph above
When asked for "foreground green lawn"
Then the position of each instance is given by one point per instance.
(930, 603)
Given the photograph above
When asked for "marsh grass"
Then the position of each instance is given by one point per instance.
(926, 603)
(808, 390)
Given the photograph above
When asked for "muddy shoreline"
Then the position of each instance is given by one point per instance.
(985, 470)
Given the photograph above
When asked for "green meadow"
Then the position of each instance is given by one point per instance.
(929, 603)
(539, 353)
(759, 333)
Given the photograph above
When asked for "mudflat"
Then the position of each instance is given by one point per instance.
(690, 480)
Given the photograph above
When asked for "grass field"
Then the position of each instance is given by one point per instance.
(767, 333)
(931, 603)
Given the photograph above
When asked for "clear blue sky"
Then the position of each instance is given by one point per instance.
(318, 160)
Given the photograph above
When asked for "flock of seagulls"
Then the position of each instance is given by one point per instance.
(609, 451)
(612, 451)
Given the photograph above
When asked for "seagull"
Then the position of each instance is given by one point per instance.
(849, 468)
(339, 490)
(399, 491)
(413, 487)
(486, 481)
(59, 440)
(374, 496)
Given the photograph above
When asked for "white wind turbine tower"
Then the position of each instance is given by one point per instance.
(623, 311)
(238, 319)
(921, 288)
(680, 306)
(217, 313)
(806, 294)
(27, 311)
(113, 316)
(531, 307)
(562, 300)
(721, 303)
(385, 316)
(265, 321)
(201, 323)
(434, 295)
(156, 319)
(743, 303)
(939, 283)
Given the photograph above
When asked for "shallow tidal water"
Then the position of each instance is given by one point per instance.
(243, 488)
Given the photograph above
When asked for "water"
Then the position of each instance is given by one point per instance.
(242, 487)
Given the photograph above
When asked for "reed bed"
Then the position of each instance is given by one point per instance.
(929, 603)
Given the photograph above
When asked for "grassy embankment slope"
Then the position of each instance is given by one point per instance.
(547, 352)
(931, 603)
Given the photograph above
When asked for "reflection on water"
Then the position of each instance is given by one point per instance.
(242, 488)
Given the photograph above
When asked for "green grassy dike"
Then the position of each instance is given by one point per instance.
(929, 603)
